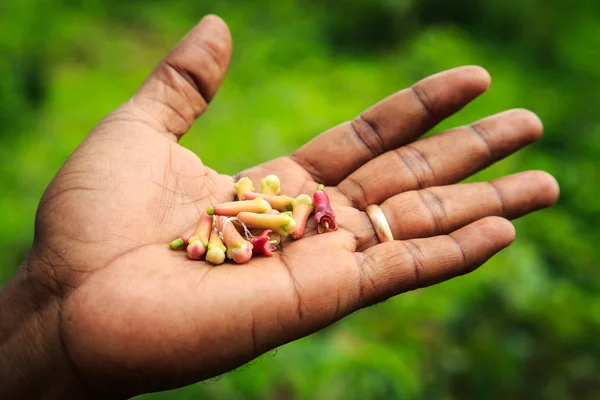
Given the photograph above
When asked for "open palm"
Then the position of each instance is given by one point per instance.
(137, 317)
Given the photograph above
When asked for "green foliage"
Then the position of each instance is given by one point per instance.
(525, 325)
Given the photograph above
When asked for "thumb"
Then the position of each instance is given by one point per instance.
(181, 86)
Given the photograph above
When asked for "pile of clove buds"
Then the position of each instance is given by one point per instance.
(255, 224)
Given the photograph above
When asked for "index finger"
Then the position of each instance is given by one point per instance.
(393, 122)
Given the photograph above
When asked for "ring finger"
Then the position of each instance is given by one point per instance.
(441, 210)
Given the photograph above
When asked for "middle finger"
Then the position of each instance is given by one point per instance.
(441, 159)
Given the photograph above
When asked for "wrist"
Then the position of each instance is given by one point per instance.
(33, 360)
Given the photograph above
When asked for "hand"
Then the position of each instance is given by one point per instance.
(118, 313)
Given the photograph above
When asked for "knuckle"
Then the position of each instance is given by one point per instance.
(368, 134)
(433, 210)
(484, 151)
(423, 98)
(355, 191)
(416, 165)
(413, 258)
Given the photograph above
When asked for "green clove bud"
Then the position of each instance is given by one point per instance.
(270, 185)
(177, 243)
(244, 185)
(280, 223)
(216, 248)
(280, 203)
(233, 208)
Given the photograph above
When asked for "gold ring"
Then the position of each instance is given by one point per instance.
(380, 224)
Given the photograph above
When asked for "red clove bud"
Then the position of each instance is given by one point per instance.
(324, 215)
(275, 237)
(263, 245)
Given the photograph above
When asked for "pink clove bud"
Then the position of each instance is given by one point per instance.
(199, 240)
(233, 208)
(280, 203)
(324, 215)
(238, 249)
(263, 245)
(187, 235)
(280, 223)
(244, 185)
(303, 207)
(241, 254)
(270, 185)
(196, 250)
(216, 248)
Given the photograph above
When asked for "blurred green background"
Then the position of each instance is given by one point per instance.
(525, 326)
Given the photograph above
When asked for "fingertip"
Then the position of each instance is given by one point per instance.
(211, 17)
(484, 238)
(550, 188)
(529, 191)
(446, 92)
(498, 230)
(480, 76)
(214, 22)
(214, 31)
(474, 77)
(475, 80)
(529, 122)
(182, 85)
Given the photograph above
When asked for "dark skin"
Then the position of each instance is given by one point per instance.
(102, 307)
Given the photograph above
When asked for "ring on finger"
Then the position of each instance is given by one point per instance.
(380, 223)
